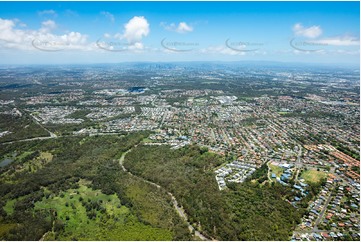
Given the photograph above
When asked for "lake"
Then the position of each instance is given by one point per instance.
(5, 162)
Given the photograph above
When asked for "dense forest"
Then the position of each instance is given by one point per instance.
(73, 188)
(79, 192)
(20, 127)
(253, 210)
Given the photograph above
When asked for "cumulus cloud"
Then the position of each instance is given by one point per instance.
(130, 39)
(136, 46)
(311, 32)
(107, 36)
(182, 27)
(47, 26)
(136, 29)
(43, 38)
(48, 12)
(108, 16)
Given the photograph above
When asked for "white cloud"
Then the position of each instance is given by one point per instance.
(6, 24)
(48, 12)
(47, 26)
(182, 27)
(136, 29)
(136, 46)
(340, 41)
(107, 36)
(43, 38)
(108, 16)
(311, 32)
(15, 37)
(131, 39)
(74, 38)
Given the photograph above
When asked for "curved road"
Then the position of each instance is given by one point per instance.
(177, 207)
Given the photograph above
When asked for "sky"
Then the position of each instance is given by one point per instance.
(113, 32)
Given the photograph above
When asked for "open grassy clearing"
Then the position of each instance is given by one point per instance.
(147, 140)
(27, 166)
(56, 203)
(276, 170)
(37, 163)
(9, 206)
(313, 176)
(88, 214)
(23, 155)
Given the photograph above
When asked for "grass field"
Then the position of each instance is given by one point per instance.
(39, 162)
(24, 154)
(30, 166)
(9, 206)
(91, 215)
(313, 176)
(276, 170)
(147, 140)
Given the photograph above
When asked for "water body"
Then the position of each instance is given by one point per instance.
(136, 89)
(15, 86)
(6, 162)
(56, 92)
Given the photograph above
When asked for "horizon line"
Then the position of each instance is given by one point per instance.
(189, 61)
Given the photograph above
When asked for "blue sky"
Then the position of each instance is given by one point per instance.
(108, 32)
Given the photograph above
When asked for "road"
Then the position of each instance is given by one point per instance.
(56, 137)
(176, 205)
(320, 216)
(52, 135)
(298, 163)
(31, 139)
(38, 123)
